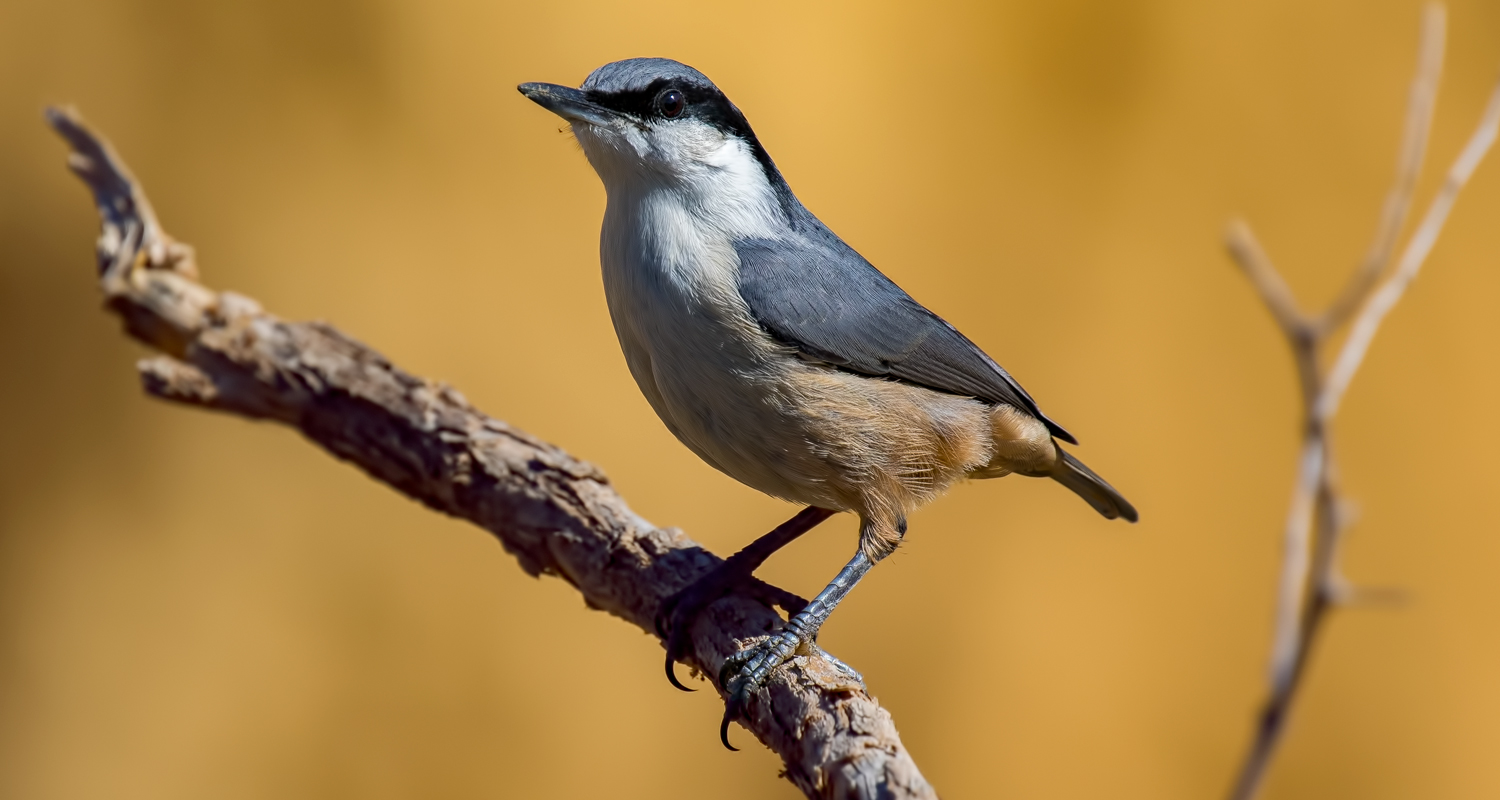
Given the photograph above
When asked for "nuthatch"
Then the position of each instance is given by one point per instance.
(776, 352)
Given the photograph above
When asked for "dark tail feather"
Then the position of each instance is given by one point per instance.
(1071, 473)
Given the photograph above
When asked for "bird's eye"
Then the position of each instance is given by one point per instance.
(671, 103)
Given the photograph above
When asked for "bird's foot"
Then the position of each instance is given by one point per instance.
(745, 672)
(675, 615)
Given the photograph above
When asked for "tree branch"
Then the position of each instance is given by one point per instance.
(1416, 252)
(557, 515)
(1251, 257)
(1311, 583)
(1421, 102)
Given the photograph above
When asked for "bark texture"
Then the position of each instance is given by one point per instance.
(556, 514)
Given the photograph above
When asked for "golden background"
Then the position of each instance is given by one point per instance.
(197, 606)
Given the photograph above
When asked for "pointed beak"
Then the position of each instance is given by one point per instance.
(570, 104)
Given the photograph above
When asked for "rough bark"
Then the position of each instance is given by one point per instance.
(556, 514)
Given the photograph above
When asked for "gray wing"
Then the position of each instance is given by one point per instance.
(830, 303)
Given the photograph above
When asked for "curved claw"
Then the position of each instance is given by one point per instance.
(676, 637)
(672, 655)
(739, 686)
(735, 703)
(731, 713)
(672, 676)
(724, 732)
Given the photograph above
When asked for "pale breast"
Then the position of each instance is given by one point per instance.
(703, 364)
(748, 405)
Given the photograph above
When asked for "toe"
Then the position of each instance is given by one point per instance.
(848, 671)
(732, 668)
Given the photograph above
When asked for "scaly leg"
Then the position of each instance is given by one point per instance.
(746, 671)
(674, 618)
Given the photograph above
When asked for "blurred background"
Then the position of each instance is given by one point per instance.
(198, 606)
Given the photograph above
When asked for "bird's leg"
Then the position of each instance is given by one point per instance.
(746, 671)
(674, 618)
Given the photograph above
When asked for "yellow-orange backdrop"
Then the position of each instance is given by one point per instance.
(197, 606)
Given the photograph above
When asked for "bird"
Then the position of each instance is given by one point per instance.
(778, 354)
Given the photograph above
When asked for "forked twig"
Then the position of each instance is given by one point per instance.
(1310, 582)
(1412, 259)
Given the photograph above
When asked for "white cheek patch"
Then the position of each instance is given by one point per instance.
(714, 183)
(686, 145)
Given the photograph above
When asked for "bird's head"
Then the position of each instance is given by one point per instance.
(654, 121)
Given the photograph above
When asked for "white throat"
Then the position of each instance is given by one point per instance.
(709, 182)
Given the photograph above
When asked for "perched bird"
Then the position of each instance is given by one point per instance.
(776, 352)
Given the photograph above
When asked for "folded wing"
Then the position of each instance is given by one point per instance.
(827, 301)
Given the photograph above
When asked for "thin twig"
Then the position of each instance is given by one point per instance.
(1412, 258)
(1311, 583)
(1420, 104)
(1302, 338)
(1248, 253)
(557, 515)
(1291, 598)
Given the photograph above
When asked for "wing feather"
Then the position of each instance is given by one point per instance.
(827, 301)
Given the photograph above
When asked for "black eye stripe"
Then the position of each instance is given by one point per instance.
(706, 104)
(639, 103)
